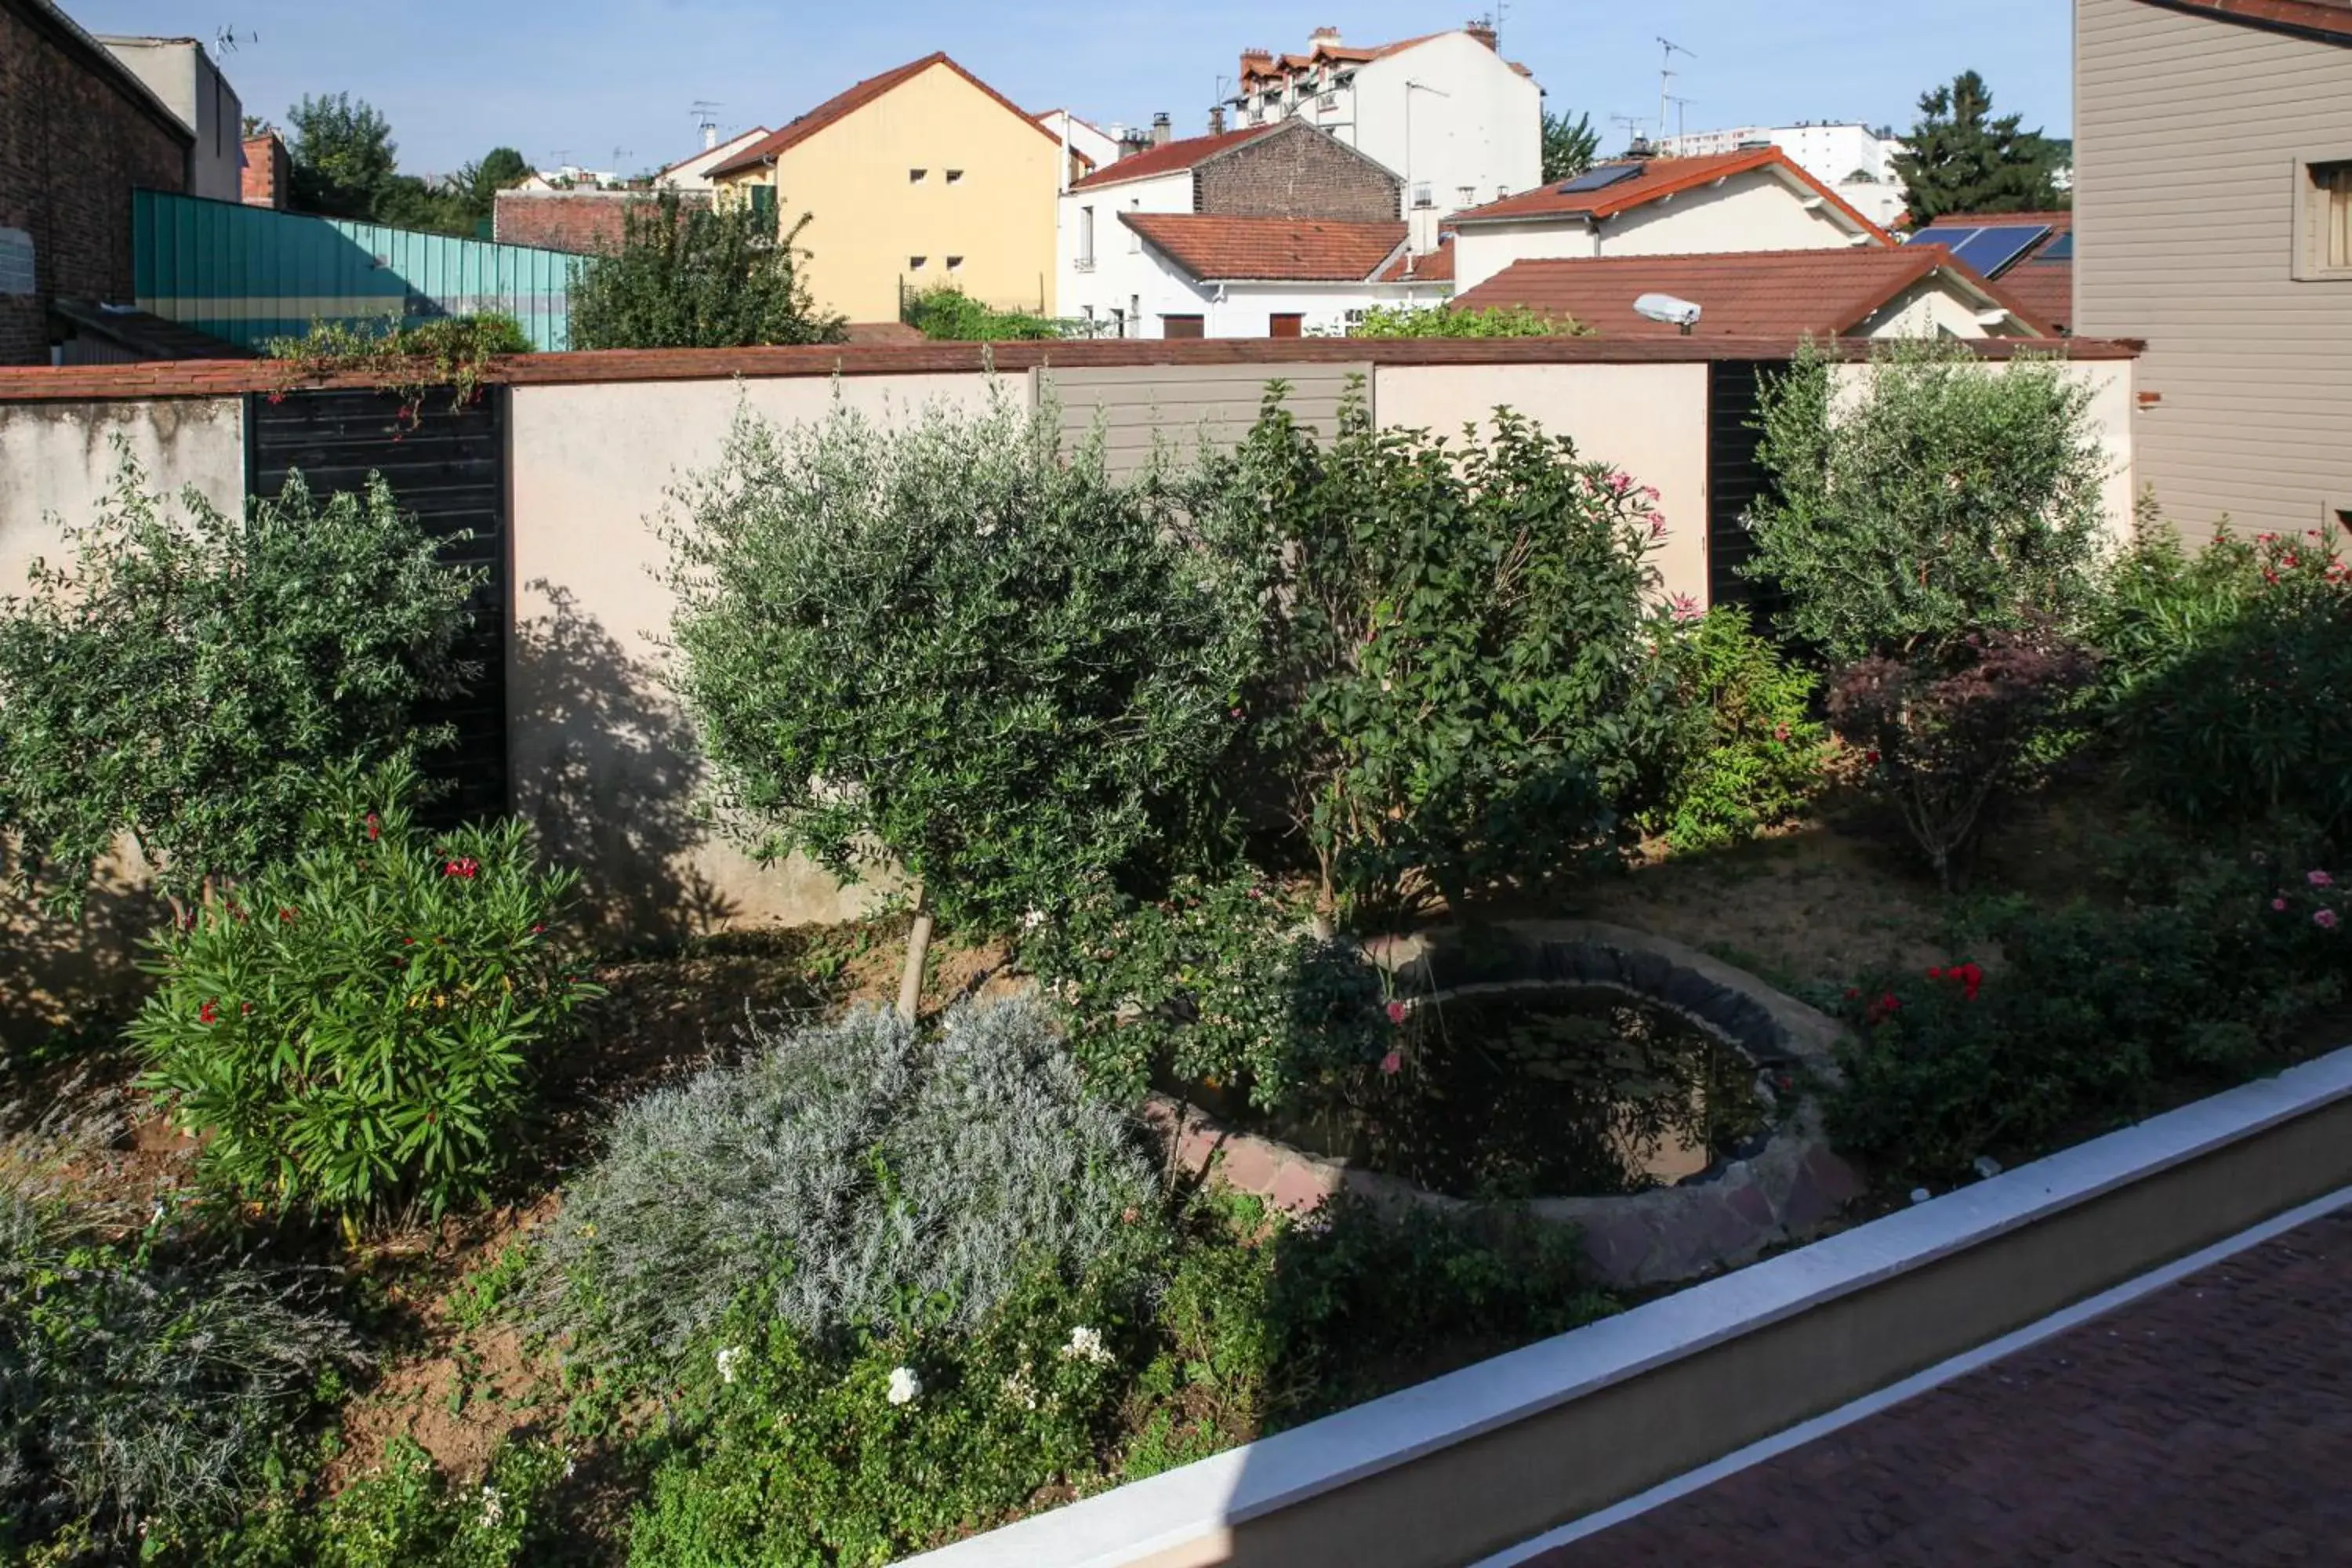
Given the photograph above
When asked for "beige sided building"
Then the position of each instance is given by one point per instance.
(919, 176)
(2213, 210)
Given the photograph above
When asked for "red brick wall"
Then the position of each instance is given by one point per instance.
(1299, 173)
(75, 141)
(268, 174)
(581, 223)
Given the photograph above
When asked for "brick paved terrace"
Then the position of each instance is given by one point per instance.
(2208, 1423)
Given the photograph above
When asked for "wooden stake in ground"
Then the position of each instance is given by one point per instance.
(918, 947)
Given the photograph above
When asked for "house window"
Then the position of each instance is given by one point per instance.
(763, 203)
(916, 176)
(955, 263)
(1421, 196)
(1287, 324)
(1086, 239)
(1180, 327)
(916, 263)
(2323, 219)
(955, 176)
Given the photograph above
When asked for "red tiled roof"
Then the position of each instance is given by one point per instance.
(1268, 249)
(2329, 21)
(1660, 178)
(1770, 293)
(1437, 267)
(2044, 287)
(1173, 158)
(843, 104)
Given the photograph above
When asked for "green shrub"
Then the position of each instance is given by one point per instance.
(144, 1376)
(697, 276)
(1947, 733)
(954, 646)
(2091, 1013)
(1220, 981)
(1756, 756)
(189, 679)
(1946, 497)
(1463, 686)
(847, 1175)
(948, 314)
(785, 1454)
(2228, 675)
(410, 359)
(1454, 321)
(358, 1026)
(405, 1514)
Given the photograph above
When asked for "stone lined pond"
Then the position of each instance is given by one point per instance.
(1520, 1093)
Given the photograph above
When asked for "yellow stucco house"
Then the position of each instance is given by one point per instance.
(919, 176)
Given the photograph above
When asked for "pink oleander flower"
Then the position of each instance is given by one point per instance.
(2279, 905)
(1396, 1012)
(1392, 1063)
(2325, 919)
(1685, 607)
(2319, 878)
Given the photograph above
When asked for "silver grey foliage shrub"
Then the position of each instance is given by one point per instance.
(851, 1173)
(137, 1383)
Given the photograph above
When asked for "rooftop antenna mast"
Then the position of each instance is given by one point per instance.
(1681, 127)
(706, 119)
(1631, 124)
(1667, 74)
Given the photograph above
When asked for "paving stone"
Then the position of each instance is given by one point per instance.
(2208, 1424)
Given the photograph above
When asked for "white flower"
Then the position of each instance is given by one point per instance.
(904, 1385)
(729, 1360)
(1087, 1344)
(1018, 1391)
(1033, 919)
(493, 1507)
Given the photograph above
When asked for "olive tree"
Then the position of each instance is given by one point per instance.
(191, 676)
(1940, 496)
(954, 648)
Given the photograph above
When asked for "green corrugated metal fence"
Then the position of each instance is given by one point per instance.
(249, 274)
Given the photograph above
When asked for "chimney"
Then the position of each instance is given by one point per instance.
(1163, 129)
(709, 137)
(1323, 36)
(1482, 29)
(1132, 139)
(266, 179)
(1217, 119)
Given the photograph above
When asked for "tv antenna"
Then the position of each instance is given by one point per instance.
(1681, 104)
(227, 39)
(1631, 124)
(1667, 74)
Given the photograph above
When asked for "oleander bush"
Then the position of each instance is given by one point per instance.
(1757, 755)
(358, 1028)
(850, 1176)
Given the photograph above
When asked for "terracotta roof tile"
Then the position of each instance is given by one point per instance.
(2328, 20)
(843, 104)
(1772, 293)
(1437, 267)
(1659, 178)
(1173, 158)
(1301, 250)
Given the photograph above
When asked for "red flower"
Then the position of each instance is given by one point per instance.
(1851, 992)
(537, 929)
(464, 865)
(1937, 974)
(1392, 1063)
(286, 914)
(209, 1013)
(1872, 758)
(244, 1009)
(1972, 977)
(1396, 1012)
(375, 828)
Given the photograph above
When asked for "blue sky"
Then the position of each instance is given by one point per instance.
(593, 76)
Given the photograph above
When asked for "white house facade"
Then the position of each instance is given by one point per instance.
(1096, 148)
(1757, 200)
(1854, 160)
(694, 174)
(1457, 122)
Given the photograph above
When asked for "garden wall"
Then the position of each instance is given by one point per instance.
(599, 755)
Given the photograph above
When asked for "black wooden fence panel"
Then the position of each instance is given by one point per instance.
(1735, 480)
(449, 470)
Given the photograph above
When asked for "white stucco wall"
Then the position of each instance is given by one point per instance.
(57, 462)
(1472, 124)
(1755, 210)
(1481, 250)
(1648, 420)
(599, 754)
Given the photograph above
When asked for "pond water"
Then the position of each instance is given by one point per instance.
(1559, 1092)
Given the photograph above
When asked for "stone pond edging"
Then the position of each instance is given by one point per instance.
(1784, 1191)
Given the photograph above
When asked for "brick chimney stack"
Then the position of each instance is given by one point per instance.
(267, 177)
(1482, 29)
(1163, 129)
(1217, 119)
(1323, 36)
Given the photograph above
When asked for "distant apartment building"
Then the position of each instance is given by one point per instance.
(1455, 121)
(589, 218)
(178, 71)
(78, 133)
(1855, 161)
(921, 176)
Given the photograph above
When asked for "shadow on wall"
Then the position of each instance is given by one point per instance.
(60, 974)
(612, 791)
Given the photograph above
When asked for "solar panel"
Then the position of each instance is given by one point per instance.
(2061, 248)
(1992, 248)
(1601, 178)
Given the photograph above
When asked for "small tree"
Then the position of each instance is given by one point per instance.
(1464, 686)
(698, 278)
(1959, 159)
(1570, 146)
(956, 647)
(189, 679)
(1940, 497)
(344, 159)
